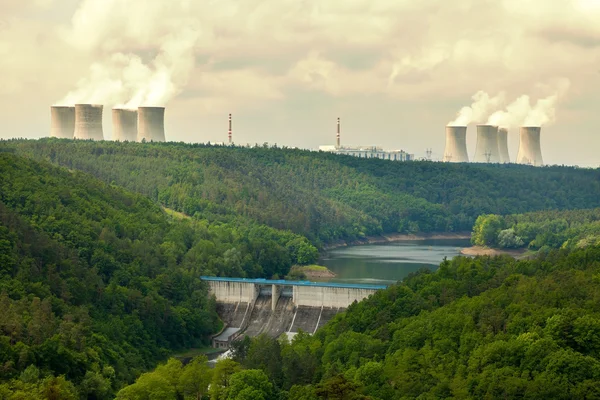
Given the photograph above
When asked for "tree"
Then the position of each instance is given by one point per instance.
(221, 375)
(249, 384)
(195, 378)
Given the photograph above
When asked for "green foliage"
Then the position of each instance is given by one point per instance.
(476, 328)
(536, 230)
(98, 284)
(322, 196)
(250, 384)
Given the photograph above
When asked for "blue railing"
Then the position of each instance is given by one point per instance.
(262, 281)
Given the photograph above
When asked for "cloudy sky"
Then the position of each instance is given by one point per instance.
(395, 71)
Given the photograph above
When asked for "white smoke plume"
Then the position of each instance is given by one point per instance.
(482, 105)
(521, 112)
(120, 77)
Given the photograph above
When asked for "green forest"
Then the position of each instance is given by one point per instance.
(540, 230)
(98, 284)
(477, 328)
(322, 196)
(102, 245)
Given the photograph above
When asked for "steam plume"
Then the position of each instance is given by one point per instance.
(482, 105)
(122, 78)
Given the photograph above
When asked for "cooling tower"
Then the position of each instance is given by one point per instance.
(503, 145)
(88, 122)
(151, 124)
(124, 124)
(456, 144)
(62, 122)
(486, 150)
(530, 150)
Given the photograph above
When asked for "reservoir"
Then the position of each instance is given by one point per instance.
(389, 262)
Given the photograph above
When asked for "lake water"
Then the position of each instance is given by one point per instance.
(390, 262)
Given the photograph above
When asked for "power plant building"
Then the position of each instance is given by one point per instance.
(503, 145)
(124, 124)
(88, 122)
(151, 124)
(370, 152)
(62, 122)
(487, 150)
(530, 150)
(456, 144)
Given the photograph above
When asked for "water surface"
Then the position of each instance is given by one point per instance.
(390, 262)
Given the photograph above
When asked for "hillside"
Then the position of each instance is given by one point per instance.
(322, 196)
(97, 283)
(491, 328)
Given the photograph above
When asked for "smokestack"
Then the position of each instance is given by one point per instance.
(503, 145)
(487, 150)
(62, 122)
(151, 124)
(337, 136)
(456, 144)
(229, 134)
(530, 150)
(88, 122)
(124, 124)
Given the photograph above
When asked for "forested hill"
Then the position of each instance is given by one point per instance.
(98, 283)
(320, 195)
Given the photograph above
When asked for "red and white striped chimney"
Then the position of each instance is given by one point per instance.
(337, 136)
(229, 128)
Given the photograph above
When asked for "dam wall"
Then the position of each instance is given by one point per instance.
(274, 307)
(303, 293)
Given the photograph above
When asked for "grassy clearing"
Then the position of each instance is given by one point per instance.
(175, 214)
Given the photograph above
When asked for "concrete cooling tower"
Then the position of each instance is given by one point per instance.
(530, 150)
(487, 150)
(456, 144)
(124, 124)
(62, 122)
(503, 145)
(151, 124)
(88, 122)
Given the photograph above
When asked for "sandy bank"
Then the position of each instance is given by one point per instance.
(486, 251)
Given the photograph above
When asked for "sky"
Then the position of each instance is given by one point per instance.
(395, 71)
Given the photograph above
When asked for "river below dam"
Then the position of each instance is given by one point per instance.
(389, 262)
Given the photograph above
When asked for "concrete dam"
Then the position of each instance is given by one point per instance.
(255, 306)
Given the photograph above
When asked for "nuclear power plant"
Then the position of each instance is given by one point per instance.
(124, 125)
(530, 150)
(503, 145)
(62, 122)
(84, 121)
(88, 122)
(151, 124)
(456, 144)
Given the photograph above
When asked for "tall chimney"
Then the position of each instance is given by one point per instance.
(530, 150)
(337, 136)
(151, 124)
(88, 122)
(487, 150)
(503, 145)
(456, 144)
(62, 122)
(124, 124)
(229, 134)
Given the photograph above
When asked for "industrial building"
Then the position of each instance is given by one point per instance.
(151, 124)
(124, 125)
(530, 150)
(487, 150)
(88, 122)
(366, 151)
(456, 144)
(62, 122)
(503, 145)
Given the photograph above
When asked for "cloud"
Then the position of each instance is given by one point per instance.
(479, 110)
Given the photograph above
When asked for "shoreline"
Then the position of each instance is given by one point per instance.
(486, 251)
(397, 237)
